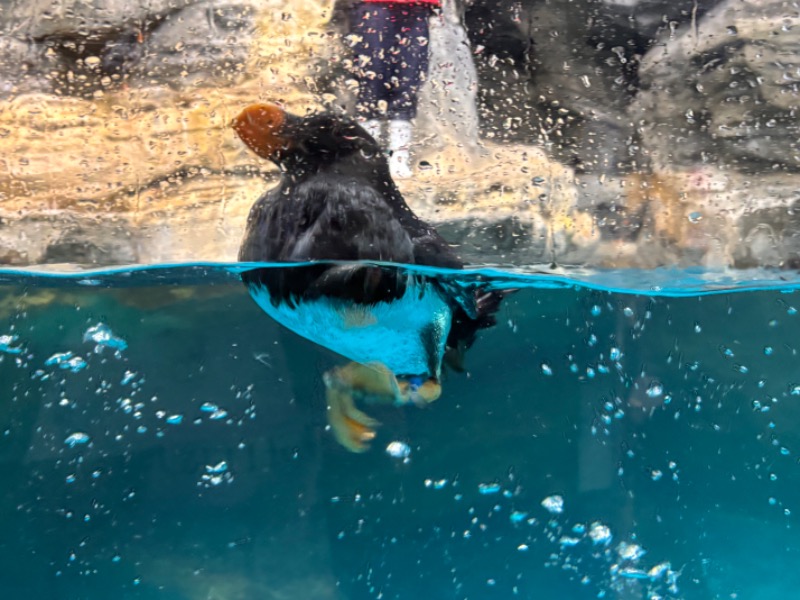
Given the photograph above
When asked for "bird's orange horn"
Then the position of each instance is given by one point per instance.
(259, 126)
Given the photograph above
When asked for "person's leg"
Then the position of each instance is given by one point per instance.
(401, 133)
(371, 25)
(373, 127)
(408, 57)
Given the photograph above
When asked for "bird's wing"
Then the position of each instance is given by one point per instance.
(327, 221)
(322, 220)
(348, 223)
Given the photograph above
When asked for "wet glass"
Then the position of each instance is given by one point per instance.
(616, 181)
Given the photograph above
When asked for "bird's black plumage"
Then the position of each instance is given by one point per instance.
(336, 201)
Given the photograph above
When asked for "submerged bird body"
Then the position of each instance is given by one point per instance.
(336, 201)
(407, 335)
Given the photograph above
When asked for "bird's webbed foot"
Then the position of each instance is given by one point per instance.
(369, 383)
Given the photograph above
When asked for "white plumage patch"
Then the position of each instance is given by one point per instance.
(387, 332)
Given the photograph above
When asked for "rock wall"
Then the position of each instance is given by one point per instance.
(679, 117)
(606, 132)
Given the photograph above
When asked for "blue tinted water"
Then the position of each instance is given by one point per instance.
(617, 435)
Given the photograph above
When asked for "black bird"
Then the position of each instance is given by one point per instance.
(336, 201)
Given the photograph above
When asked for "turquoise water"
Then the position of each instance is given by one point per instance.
(617, 435)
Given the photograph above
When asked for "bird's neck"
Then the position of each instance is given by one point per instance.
(297, 171)
(376, 175)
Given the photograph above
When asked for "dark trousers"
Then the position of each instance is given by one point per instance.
(391, 57)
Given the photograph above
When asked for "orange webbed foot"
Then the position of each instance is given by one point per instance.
(373, 383)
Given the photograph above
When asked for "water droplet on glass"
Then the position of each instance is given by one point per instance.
(546, 369)
(695, 217)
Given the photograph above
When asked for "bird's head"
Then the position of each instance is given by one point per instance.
(314, 142)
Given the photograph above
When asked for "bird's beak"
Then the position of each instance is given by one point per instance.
(261, 127)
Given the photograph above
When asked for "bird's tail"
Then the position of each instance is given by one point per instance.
(464, 328)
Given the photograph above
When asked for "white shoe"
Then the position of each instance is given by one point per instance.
(373, 127)
(398, 165)
(400, 134)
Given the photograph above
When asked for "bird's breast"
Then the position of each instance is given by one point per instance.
(407, 335)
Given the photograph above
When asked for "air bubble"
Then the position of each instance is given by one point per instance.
(554, 504)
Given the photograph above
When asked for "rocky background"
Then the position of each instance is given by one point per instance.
(600, 132)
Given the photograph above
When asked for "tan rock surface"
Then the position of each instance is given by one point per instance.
(152, 173)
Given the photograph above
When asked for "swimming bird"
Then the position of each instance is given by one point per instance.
(336, 202)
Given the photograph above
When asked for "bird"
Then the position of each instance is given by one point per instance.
(337, 212)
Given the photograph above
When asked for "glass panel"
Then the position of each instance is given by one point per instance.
(517, 319)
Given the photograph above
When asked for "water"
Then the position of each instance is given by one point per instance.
(162, 438)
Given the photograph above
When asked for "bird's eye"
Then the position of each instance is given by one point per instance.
(368, 154)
